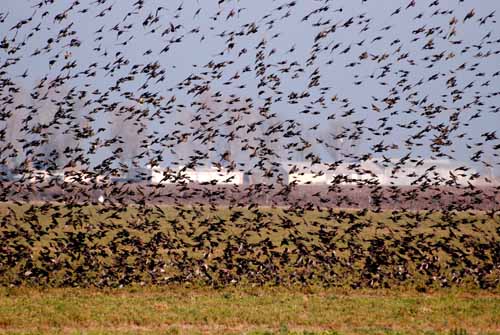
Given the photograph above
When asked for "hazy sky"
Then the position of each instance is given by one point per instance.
(205, 35)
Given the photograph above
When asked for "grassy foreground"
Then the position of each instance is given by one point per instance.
(184, 310)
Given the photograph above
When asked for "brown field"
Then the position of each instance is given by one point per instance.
(425, 197)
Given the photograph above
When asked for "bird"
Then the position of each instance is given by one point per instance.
(159, 149)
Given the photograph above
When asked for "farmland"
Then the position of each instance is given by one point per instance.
(358, 196)
(205, 268)
(81, 245)
(250, 167)
(251, 310)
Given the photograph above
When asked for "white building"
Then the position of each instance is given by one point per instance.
(440, 171)
(80, 176)
(36, 176)
(305, 173)
(201, 175)
(162, 176)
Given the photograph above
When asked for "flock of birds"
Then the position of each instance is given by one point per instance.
(318, 82)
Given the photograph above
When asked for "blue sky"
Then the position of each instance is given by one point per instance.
(357, 89)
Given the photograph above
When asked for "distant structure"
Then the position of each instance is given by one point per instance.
(442, 171)
(200, 175)
(385, 172)
(276, 173)
(74, 175)
(304, 173)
